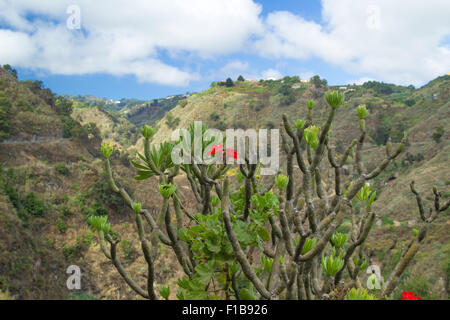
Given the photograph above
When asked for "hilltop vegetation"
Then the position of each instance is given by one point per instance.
(138, 112)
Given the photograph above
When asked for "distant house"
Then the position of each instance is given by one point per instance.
(342, 88)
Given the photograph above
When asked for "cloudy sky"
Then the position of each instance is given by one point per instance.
(148, 48)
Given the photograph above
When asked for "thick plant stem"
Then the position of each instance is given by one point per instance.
(239, 253)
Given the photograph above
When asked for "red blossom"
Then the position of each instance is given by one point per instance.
(215, 148)
(409, 295)
(232, 152)
(219, 149)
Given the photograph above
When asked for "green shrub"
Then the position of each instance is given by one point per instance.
(71, 251)
(438, 133)
(61, 225)
(24, 216)
(183, 103)
(172, 121)
(410, 102)
(62, 169)
(63, 106)
(86, 239)
(129, 253)
(12, 195)
(65, 210)
(33, 205)
(69, 126)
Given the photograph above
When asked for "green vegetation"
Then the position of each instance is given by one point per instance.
(62, 169)
(317, 82)
(61, 225)
(378, 87)
(182, 103)
(10, 70)
(359, 294)
(5, 109)
(172, 121)
(438, 133)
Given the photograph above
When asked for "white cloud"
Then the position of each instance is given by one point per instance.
(402, 41)
(124, 37)
(271, 74)
(234, 68)
(397, 41)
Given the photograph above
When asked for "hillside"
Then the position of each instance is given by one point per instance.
(138, 112)
(51, 179)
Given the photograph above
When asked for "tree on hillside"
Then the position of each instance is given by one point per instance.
(63, 106)
(317, 82)
(255, 239)
(10, 70)
(287, 93)
(379, 87)
(229, 82)
(240, 78)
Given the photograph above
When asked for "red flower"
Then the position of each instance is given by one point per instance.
(215, 148)
(408, 295)
(219, 149)
(232, 152)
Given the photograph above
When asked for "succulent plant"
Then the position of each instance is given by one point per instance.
(167, 190)
(137, 207)
(335, 99)
(107, 150)
(339, 239)
(148, 131)
(312, 136)
(362, 111)
(299, 124)
(310, 104)
(281, 181)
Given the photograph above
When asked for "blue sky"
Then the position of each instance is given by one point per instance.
(157, 49)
